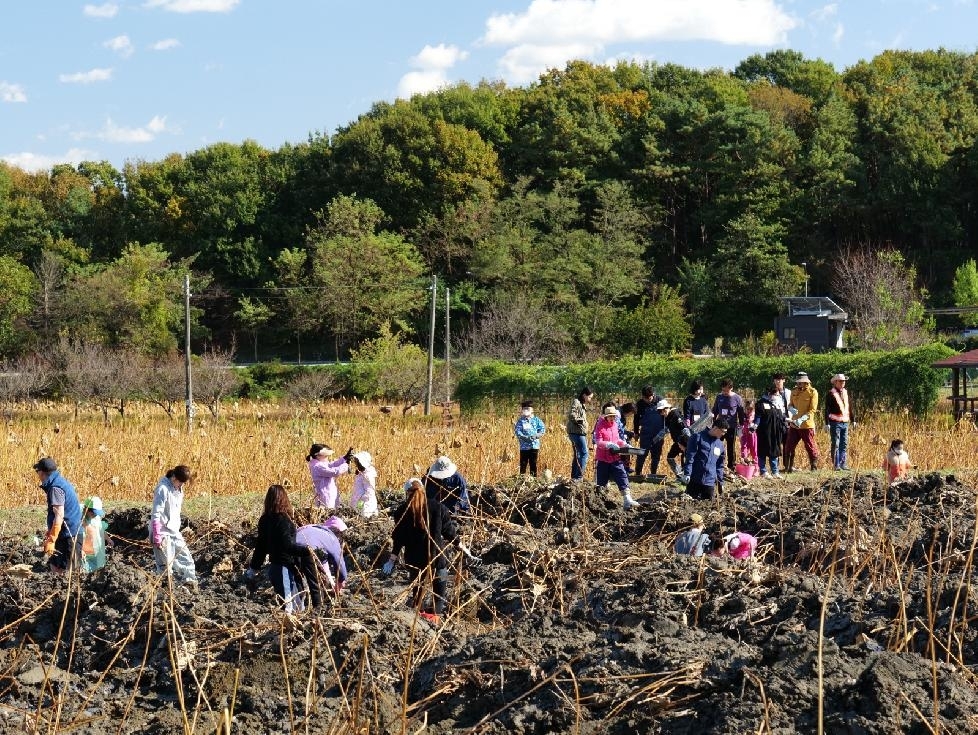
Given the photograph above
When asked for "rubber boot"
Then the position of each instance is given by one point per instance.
(814, 465)
(789, 462)
(628, 503)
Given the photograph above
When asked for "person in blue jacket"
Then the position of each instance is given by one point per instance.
(650, 437)
(705, 456)
(528, 430)
(64, 516)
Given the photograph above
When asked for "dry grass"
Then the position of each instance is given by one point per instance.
(255, 444)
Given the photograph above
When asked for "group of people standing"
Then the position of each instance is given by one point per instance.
(703, 438)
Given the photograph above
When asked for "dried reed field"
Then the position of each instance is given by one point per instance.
(859, 612)
(253, 444)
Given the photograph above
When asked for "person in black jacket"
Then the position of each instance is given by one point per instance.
(289, 562)
(422, 526)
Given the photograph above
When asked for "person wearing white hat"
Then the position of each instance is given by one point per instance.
(364, 499)
(740, 545)
(447, 485)
(801, 422)
(324, 539)
(93, 535)
(838, 418)
(676, 429)
(608, 465)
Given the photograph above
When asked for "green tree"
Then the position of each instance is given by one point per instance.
(17, 288)
(965, 289)
(253, 315)
(658, 325)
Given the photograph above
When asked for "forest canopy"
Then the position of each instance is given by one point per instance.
(598, 211)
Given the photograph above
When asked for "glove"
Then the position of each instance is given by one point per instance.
(349, 455)
(157, 534)
(249, 574)
(792, 411)
(687, 433)
(828, 427)
(388, 567)
(738, 432)
(48, 545)
(338, 588)
(251, 580)
(752, 428)
(320, 554)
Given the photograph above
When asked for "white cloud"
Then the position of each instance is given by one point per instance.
(525, 62)
(121, 45)
(194, 6)
(840, 31)
(106, 10)
(39, 162)
(165, 44)
(550, 32)
(12, 92)
(825, 12)
(86, 77)
(432, 64)
(112, 133)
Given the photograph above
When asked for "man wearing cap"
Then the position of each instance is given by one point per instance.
(64, 515)
(447, 485)
(838, 416)
(705, 455)
(801, 422)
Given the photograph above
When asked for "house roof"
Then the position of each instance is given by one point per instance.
(817, 306)
(962, 360)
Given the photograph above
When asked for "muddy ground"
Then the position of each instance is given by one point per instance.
(859, 610)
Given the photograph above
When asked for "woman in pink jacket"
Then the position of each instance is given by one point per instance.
(740, 545)
(607, 442)
(324, 473)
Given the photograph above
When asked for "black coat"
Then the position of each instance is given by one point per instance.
(771, 427)
(423, 546)
(276, 540)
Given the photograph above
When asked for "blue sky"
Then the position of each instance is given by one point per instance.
(140, 79)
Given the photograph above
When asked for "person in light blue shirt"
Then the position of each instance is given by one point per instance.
(528, 430)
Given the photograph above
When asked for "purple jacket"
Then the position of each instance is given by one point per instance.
(324, 473)
(320, 537)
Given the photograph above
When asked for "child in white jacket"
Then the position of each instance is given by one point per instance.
(364, 500)
(170, 551)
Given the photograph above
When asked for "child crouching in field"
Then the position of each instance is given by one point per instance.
(93, 535)
(896, 463)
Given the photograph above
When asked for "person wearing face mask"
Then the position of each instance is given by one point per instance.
(528, 430)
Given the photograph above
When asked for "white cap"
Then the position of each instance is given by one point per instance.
(663, 403)
(364, 459)
(410, 483)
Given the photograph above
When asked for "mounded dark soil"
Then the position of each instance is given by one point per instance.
(859, 609)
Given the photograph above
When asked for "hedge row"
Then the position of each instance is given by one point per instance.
(890, 380)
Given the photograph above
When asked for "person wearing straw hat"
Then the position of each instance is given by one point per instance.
(801, 422)
(445, 484)
(838, 418)
(64, 516)
(609, 466)
(93, 535)
(695, 541)
(364, 498)
(324, 472)
(325, 541)
(423, 527)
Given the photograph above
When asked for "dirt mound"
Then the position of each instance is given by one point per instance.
(578, 618)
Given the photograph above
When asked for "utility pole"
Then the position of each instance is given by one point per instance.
(448, 348)
(431, 347)
(186, 353)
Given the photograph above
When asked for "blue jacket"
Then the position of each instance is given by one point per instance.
(452, 491)
(529, 430)
(54, 487)
(705, 457)
(651, 425)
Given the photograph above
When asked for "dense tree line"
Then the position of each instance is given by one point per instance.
(598, 210)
